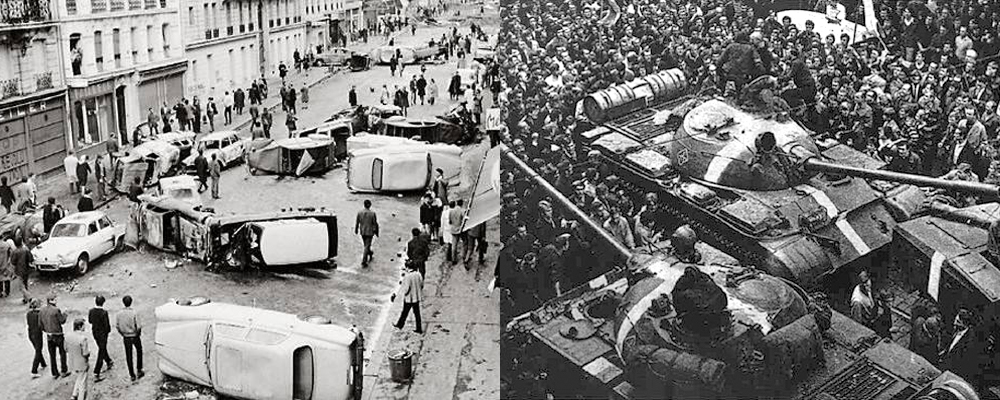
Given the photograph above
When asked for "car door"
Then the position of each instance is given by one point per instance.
(106, 231)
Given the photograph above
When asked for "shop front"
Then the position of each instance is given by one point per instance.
(31, 134)
(160, 85)
(96, 112)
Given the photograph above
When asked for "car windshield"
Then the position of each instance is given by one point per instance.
(212, 144)
(69, 230)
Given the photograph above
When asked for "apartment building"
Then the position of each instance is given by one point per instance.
(121, 58)
(32, 90)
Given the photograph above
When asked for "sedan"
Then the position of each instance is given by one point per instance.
(76, 241)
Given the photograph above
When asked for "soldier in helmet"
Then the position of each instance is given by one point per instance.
(683, 241)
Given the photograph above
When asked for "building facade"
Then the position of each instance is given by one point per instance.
(121, 58)
(32, 90)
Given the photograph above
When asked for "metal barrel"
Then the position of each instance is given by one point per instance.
(565, 202)
(617, 100)
(983, 189)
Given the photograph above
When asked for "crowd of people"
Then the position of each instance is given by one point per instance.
(922, 96)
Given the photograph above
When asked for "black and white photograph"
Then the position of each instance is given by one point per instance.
(750, 199)
(250, 199)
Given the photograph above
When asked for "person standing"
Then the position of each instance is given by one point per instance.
(79, 359)
(51, 214)
(127, 323)
(238, 101)
(201, 168)
(290, 124)
(52, 319)
(865, 307)
(455, 87)
(86, 203)
(412, 289)
(432, 92)
(366, 225)
(180, 111)
(165, 117)
(6, 194)
(455, 217)
(445, 228)
(227, 108)
(35, 336)
(440, 185)
(392, 65)
(111, 145)
(214, 172)
(195, 112)
(413, 90)
(99, 173)
(282, 71)
(153, 120)
(427, 213)
(211, 110)
(304, 95)
(476, 241)
(7, 272)
(82, 173)
(421, 89)
(100, 326)
(256, 132)
(352, 96)
(292, 95)
(69, 166)
(22, 259)
(266, 121)
(418, 251)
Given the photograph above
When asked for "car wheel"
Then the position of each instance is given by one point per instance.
(82, 264)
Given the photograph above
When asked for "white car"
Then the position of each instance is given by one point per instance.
(76, 241)
(227, 145)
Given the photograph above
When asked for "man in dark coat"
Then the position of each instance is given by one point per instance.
(86, 203)
(52, 319)
(964, 350)
(455, 87)
(366, 225)
(266, 120)
(180, 110)
(418, 250)
(201, 167)
(238, 98)
(421, 89)
(35, 336)
(82, 172)
(352, 97)
(550, 266)
(51, 214)
(196, 115)
(6, 194)
(101, 327)
(21, 258)
(739, 61)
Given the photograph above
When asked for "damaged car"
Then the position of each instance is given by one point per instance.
(292, 156)
(402, 168)
(258, 354)
(148, 161)
(241, 241)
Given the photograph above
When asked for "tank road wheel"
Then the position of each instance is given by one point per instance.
(82, 264)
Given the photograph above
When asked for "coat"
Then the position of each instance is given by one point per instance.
(85, 204)
(366, 223)
(412, 287)
(78, 351)
(6, 267)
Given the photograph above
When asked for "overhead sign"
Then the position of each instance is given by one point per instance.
(491, 119)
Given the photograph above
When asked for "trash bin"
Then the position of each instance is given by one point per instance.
(401, 366)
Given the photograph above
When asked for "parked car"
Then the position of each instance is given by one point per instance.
(76, 241)
(334, 56)
(148, 161)
(286, 237)
(402, 168)
(360, 62)
(181, 139)
(227, 145)
(181, 187)
(293, 156)
(257, 354)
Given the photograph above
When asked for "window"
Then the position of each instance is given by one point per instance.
(92, 228)
(303, 375)
(76, 54)
(117, 5)
(116, 42)
(99, 51)
(229, 18)
(163, 3)
(150, 4)
(191, 16)
(98, 6)
(377, 174)
(134, 43)
(208, 24)
(194, 70)
(149, 41)
(262, 336)
(71, 7)
(229, 330)
(104, 222)
(134, 4)
(165, 36)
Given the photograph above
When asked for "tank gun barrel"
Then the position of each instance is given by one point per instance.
(565, 202)
(957, 214)
(982, 189)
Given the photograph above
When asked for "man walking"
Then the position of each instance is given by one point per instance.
(52, 319)
(22, 259)
(352, 96)
(128, 326)
(201, 167)
(69, 166)
(476, 242)
(412, 289)
(86, 203)
(215, 171)
(366, 225)
(418, 251)
(153, 120)
(455, 218)
(266, 120)
(440, 186)
(35, 336)
(79, 359)
(227, 108)
(100, 326)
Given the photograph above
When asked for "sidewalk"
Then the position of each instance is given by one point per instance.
(458, 356)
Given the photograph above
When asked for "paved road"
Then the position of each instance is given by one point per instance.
(349, 295)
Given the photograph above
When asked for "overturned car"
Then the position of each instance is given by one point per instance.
(292, 156)
(258, 354)
(148, 161)
(402, 168)
(286, 237)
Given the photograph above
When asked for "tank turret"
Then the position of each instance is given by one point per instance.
(756, 184)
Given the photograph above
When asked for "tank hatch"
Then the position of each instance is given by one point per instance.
(718, 143)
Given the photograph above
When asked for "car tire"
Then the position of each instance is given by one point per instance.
(82, 264)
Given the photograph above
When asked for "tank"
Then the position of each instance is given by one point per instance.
(661, 328)
(753, 182)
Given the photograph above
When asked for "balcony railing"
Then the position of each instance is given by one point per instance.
(117, 5)
(43, 80)
(10, 88)
(98, 5)
(24, 11)
(134, 4)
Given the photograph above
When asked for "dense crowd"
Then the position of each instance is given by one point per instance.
(922, 97)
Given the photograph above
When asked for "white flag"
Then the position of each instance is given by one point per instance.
(304, 164)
